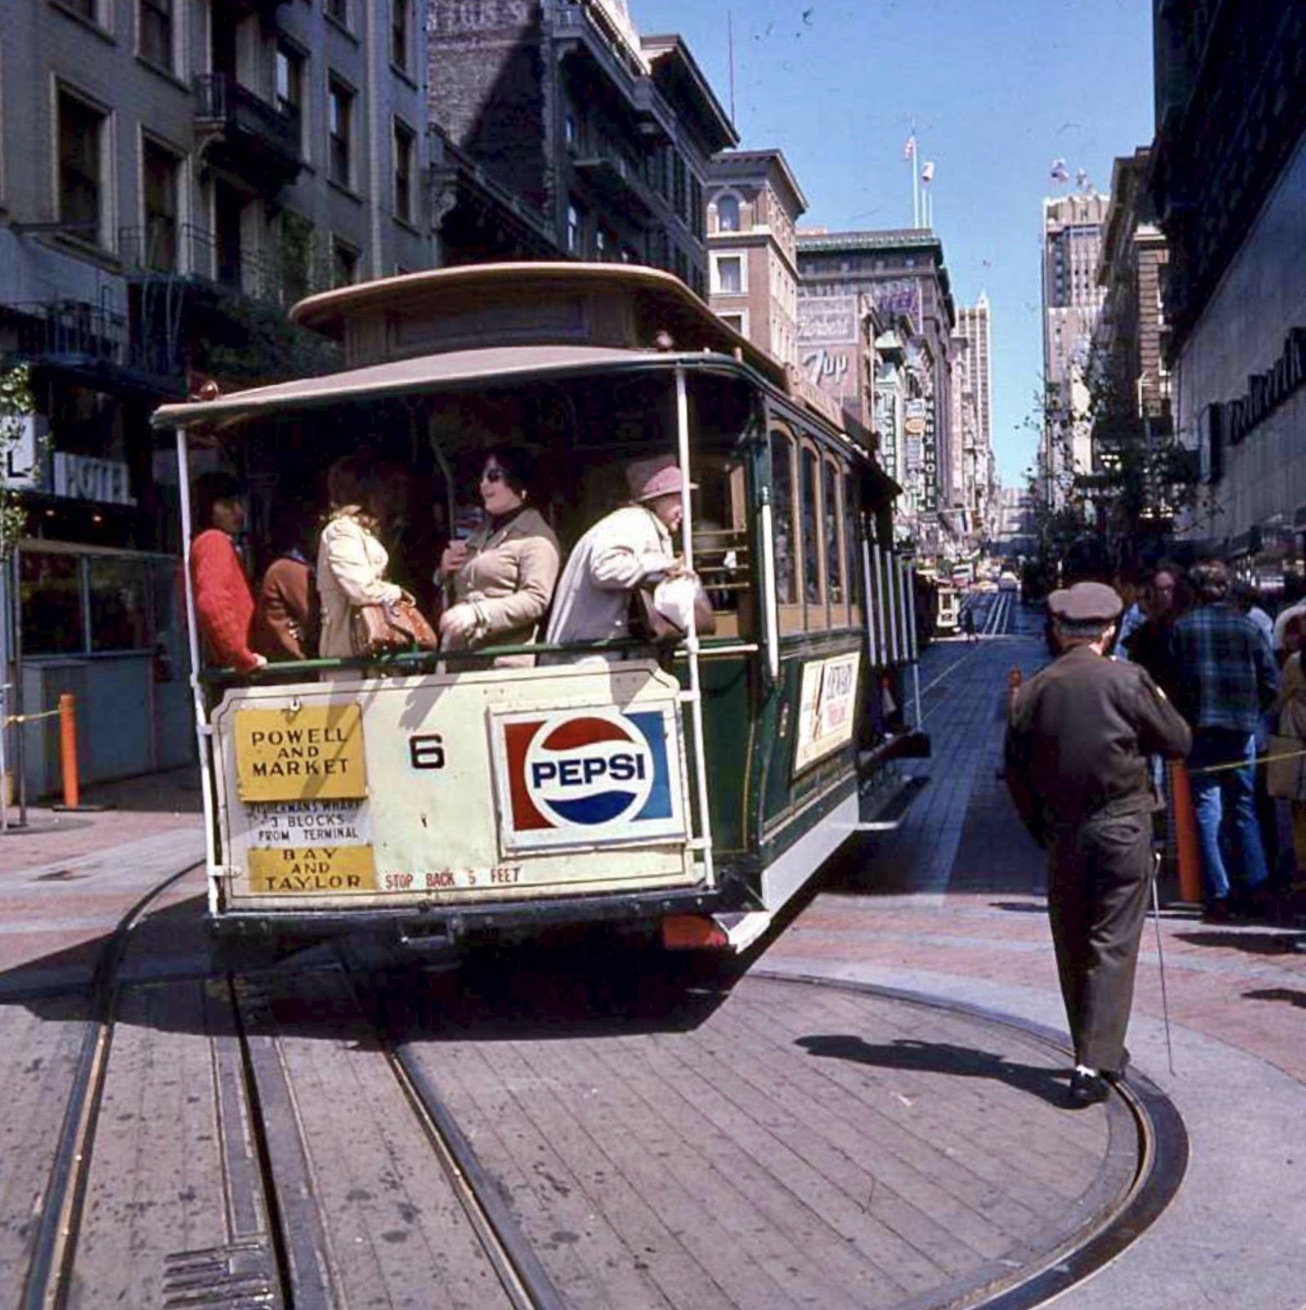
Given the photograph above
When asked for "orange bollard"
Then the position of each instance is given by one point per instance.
(1187, 851)
(68, 749)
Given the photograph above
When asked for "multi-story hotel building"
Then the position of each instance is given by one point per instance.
(172, 177)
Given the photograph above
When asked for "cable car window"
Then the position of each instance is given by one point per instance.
(782, 520)
(852, 558)
(813, 593)
(721, 544)
(836, 591)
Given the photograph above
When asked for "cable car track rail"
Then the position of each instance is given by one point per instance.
(54, 1250)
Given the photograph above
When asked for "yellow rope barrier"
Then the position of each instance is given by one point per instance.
(1242, 764)
(29, 718)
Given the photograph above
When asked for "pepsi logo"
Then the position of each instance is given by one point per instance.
(589, 770)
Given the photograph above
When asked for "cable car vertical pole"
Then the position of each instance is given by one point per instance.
(691, 640)
(915, 641)
(203, 732)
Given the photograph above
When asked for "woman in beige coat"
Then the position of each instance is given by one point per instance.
(351, 561)
(499, 582)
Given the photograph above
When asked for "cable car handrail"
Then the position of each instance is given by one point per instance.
(404, 663)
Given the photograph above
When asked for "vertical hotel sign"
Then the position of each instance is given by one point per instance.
(929, 461)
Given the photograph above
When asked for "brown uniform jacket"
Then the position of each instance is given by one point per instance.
(1078, 738)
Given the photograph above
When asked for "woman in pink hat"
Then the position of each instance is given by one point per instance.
(626, 549)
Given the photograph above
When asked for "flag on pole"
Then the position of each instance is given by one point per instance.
(909, 150)
(927, 172)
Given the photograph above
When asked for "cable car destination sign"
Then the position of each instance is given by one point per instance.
(493, 783)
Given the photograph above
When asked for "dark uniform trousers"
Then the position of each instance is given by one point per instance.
(1098, 884)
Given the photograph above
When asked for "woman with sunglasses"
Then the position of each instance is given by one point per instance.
(499, 582)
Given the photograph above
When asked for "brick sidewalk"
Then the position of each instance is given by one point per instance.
(141, 807)
(952, 905)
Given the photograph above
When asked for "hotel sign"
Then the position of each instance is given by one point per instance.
(81, 477)
(1267, 391)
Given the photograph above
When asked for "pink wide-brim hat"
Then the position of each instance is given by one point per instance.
(651, 478)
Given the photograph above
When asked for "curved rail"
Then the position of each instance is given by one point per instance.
(1162, 1159)
(48, 1273)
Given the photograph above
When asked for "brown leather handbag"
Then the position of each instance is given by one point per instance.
(389, 628)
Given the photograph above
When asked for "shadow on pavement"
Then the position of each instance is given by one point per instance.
(565, 984)
(1289, 994)
(1251, 943)
(943, 1058)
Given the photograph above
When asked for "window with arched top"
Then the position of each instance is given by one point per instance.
(727, 214)
(784, 525)
(809, 502)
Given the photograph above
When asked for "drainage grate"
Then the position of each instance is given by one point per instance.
(240, 1276)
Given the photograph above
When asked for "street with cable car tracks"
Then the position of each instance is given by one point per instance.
(608, 1125)
(588, 1120)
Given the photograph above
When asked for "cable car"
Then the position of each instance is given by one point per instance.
(433, 798)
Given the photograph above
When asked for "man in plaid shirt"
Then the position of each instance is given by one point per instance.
(1225, 677)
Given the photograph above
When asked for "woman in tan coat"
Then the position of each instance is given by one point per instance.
(351, 561)
(499, 582)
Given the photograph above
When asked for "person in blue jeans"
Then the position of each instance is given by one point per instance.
(1225, 678)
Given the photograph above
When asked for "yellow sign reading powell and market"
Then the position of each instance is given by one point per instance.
(309, 753)
(312, 870)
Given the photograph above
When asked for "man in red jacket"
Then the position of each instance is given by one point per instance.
(224, 604)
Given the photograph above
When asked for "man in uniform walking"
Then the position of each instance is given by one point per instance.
(1078, 738)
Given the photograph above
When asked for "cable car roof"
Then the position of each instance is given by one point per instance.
(431, 373)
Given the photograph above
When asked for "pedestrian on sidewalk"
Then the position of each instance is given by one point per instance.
(1225, 679)
(1078, 737)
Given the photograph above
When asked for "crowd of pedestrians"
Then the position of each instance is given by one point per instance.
(1212, 648)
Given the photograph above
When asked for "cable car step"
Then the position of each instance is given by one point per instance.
(882, 809)
(733, 931)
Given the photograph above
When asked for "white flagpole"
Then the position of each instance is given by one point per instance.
(915, 186)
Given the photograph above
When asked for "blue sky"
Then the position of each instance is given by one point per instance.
(997, 89)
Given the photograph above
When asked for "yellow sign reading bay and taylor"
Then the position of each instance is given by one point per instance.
(309, 753)
(312, 870)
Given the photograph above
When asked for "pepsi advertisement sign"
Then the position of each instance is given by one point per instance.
(589, 777)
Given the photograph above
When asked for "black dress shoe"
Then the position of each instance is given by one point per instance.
(1088, 1088)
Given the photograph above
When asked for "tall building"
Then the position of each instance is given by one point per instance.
(902, 275)
(973, 324)
(1229, 180)
(1131, 421)
(600, 137)
(1072, 300)
(753, 206)
(171, 179)
(973, 387)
